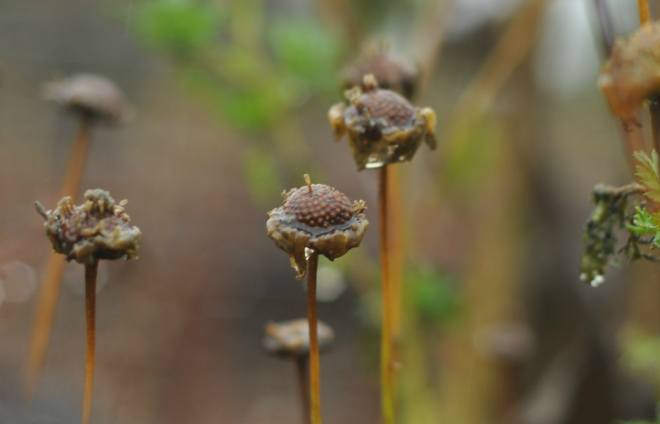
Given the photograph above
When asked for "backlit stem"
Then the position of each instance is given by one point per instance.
(51, 282)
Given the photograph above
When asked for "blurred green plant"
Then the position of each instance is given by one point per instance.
(432, 295)
(256, 74)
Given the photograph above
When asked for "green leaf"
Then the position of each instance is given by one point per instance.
(182, 27)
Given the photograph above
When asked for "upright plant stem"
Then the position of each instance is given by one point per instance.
(386, 347)
(644, 12)
(314, 360)
(303, 385)
(654, 109)
(90, 319)
(51, 282)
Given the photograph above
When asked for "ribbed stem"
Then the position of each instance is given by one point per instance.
(51, 282)
(314, 359)
(386, 347)
(300, 363)
(90, 319)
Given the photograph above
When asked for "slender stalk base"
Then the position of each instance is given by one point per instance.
(90, 319)
(386, 347)
(51, 282)
(303, 385)
(314, 360)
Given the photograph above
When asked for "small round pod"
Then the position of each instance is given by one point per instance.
(391, 71)
(290, 339)
(382, 126)
(97, 229)
(631, 75)
(316, 217)
(92, 97)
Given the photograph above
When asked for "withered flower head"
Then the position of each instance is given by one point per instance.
(290, 339)
(382, 126)
(632, 73)
(97, 229)
(91, 96)
(316, 217)
(391, 71)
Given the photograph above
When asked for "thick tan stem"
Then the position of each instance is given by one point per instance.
(51, 282)
(90, 319)
(644, 12)
(314, 357)
(386, 347)
(303, 386)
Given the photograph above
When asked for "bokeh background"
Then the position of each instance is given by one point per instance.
(231, 100)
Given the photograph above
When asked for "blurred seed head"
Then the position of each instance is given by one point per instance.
(382, 126)
(632, 73)
(290, 339)
(392, 71)
(316, 217)
(99, 228)
(90, 96)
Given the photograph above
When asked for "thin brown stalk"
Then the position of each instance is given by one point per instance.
(314, 357)
(303, 386)
(386, 347)
(90, 319)
(51, 282)
(654, 109)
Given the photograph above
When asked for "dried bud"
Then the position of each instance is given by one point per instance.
(97, 229)
(382, 126)
(316, 217)
(290, 339)
(391, 71)
(91, 96)
(632, 73)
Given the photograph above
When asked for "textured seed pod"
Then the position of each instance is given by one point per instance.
(382, 126)
(391, 71)
(91, 96)
(99, 228)
(632, 73)
(290, 339)
(316, 217)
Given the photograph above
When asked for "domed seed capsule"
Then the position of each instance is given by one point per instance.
(91, 96)
(317, 217)
(392, 72)
(382, 126)
(632, 73)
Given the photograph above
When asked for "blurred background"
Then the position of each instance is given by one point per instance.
(231, 100)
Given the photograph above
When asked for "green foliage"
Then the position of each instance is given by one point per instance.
(645, 224)
(646, 171)
(181, 27)
(305, 52)
(432, 295)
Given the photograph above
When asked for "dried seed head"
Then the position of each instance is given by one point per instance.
(317, 217)
(97, 229)
(290, 339)
(632, 73)
(382, 126)
(91, 96)
(391, 71)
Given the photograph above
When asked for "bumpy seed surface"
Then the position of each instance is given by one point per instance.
(388, 105)
(323, 206)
